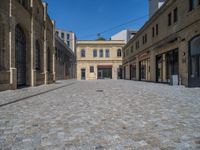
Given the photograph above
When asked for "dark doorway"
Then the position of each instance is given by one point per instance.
(83, 76)
(20, 49)
(194, 62)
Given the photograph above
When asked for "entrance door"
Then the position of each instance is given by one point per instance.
(20, 48)
(83, 77)
(100, 74)
(194, 65)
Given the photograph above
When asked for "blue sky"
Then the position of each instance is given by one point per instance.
(88, 17)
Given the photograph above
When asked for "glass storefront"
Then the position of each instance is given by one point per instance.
(194, 64)
(104, 72)
(133, 71)
(145, 70)
(166, 66)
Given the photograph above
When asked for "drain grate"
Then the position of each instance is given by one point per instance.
(99, 91)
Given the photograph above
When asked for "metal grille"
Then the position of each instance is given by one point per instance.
(20, 48)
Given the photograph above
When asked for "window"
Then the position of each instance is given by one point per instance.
(91, 69)
(144, 39)
(82, 53)
(156, 29)
(68, 43)
(153, 32)
(191, 4)
(62, 35)
(169, 19)
(57, 33)
(24, 3)
(94, 53)
(199, 2)
(137, 45)
(2, 48)
(48, 60)
(131, 49)
(101, 53)
(68, 36)
(107, 53)
(119, 53)
(37, 55)
(175, 15)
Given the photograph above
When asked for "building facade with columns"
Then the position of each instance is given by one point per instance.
(26, 44)
(167, 47)
(99, 59)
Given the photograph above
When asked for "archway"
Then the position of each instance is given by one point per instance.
(20, 49)
(194, 62)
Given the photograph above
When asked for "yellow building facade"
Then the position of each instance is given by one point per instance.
(99, 59)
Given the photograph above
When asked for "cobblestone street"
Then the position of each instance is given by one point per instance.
(101, 115)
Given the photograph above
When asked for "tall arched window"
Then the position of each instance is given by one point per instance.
(119, 53)
(107, 53)
(82, 53)
(24, 3)
(48, 60)
(2, 47)
(194, 61)
(100, 53)
(20, 53)
(37, 55)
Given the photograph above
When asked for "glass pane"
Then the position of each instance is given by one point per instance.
(193, 72)
(195, 46)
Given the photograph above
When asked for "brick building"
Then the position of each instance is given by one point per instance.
(26, 44)
(99, 59)
(168, 44)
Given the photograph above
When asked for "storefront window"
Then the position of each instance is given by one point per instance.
(133, 72)
(166, 66)
(145, 70)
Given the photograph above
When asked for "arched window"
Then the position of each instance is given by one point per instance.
(101, 53)
(119, 53)
(2, 47)
(37, 55)
(48, 60)
(24, 3)
(20, 53)
(82, 53)
(94, 53)
(195, 57)
(107, 53)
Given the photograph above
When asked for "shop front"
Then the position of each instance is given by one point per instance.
(104, 72)
(133, 71)
(194, 62)
(145, 70)
(167, 65)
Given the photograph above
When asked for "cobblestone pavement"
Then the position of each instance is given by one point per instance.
(103, 115)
